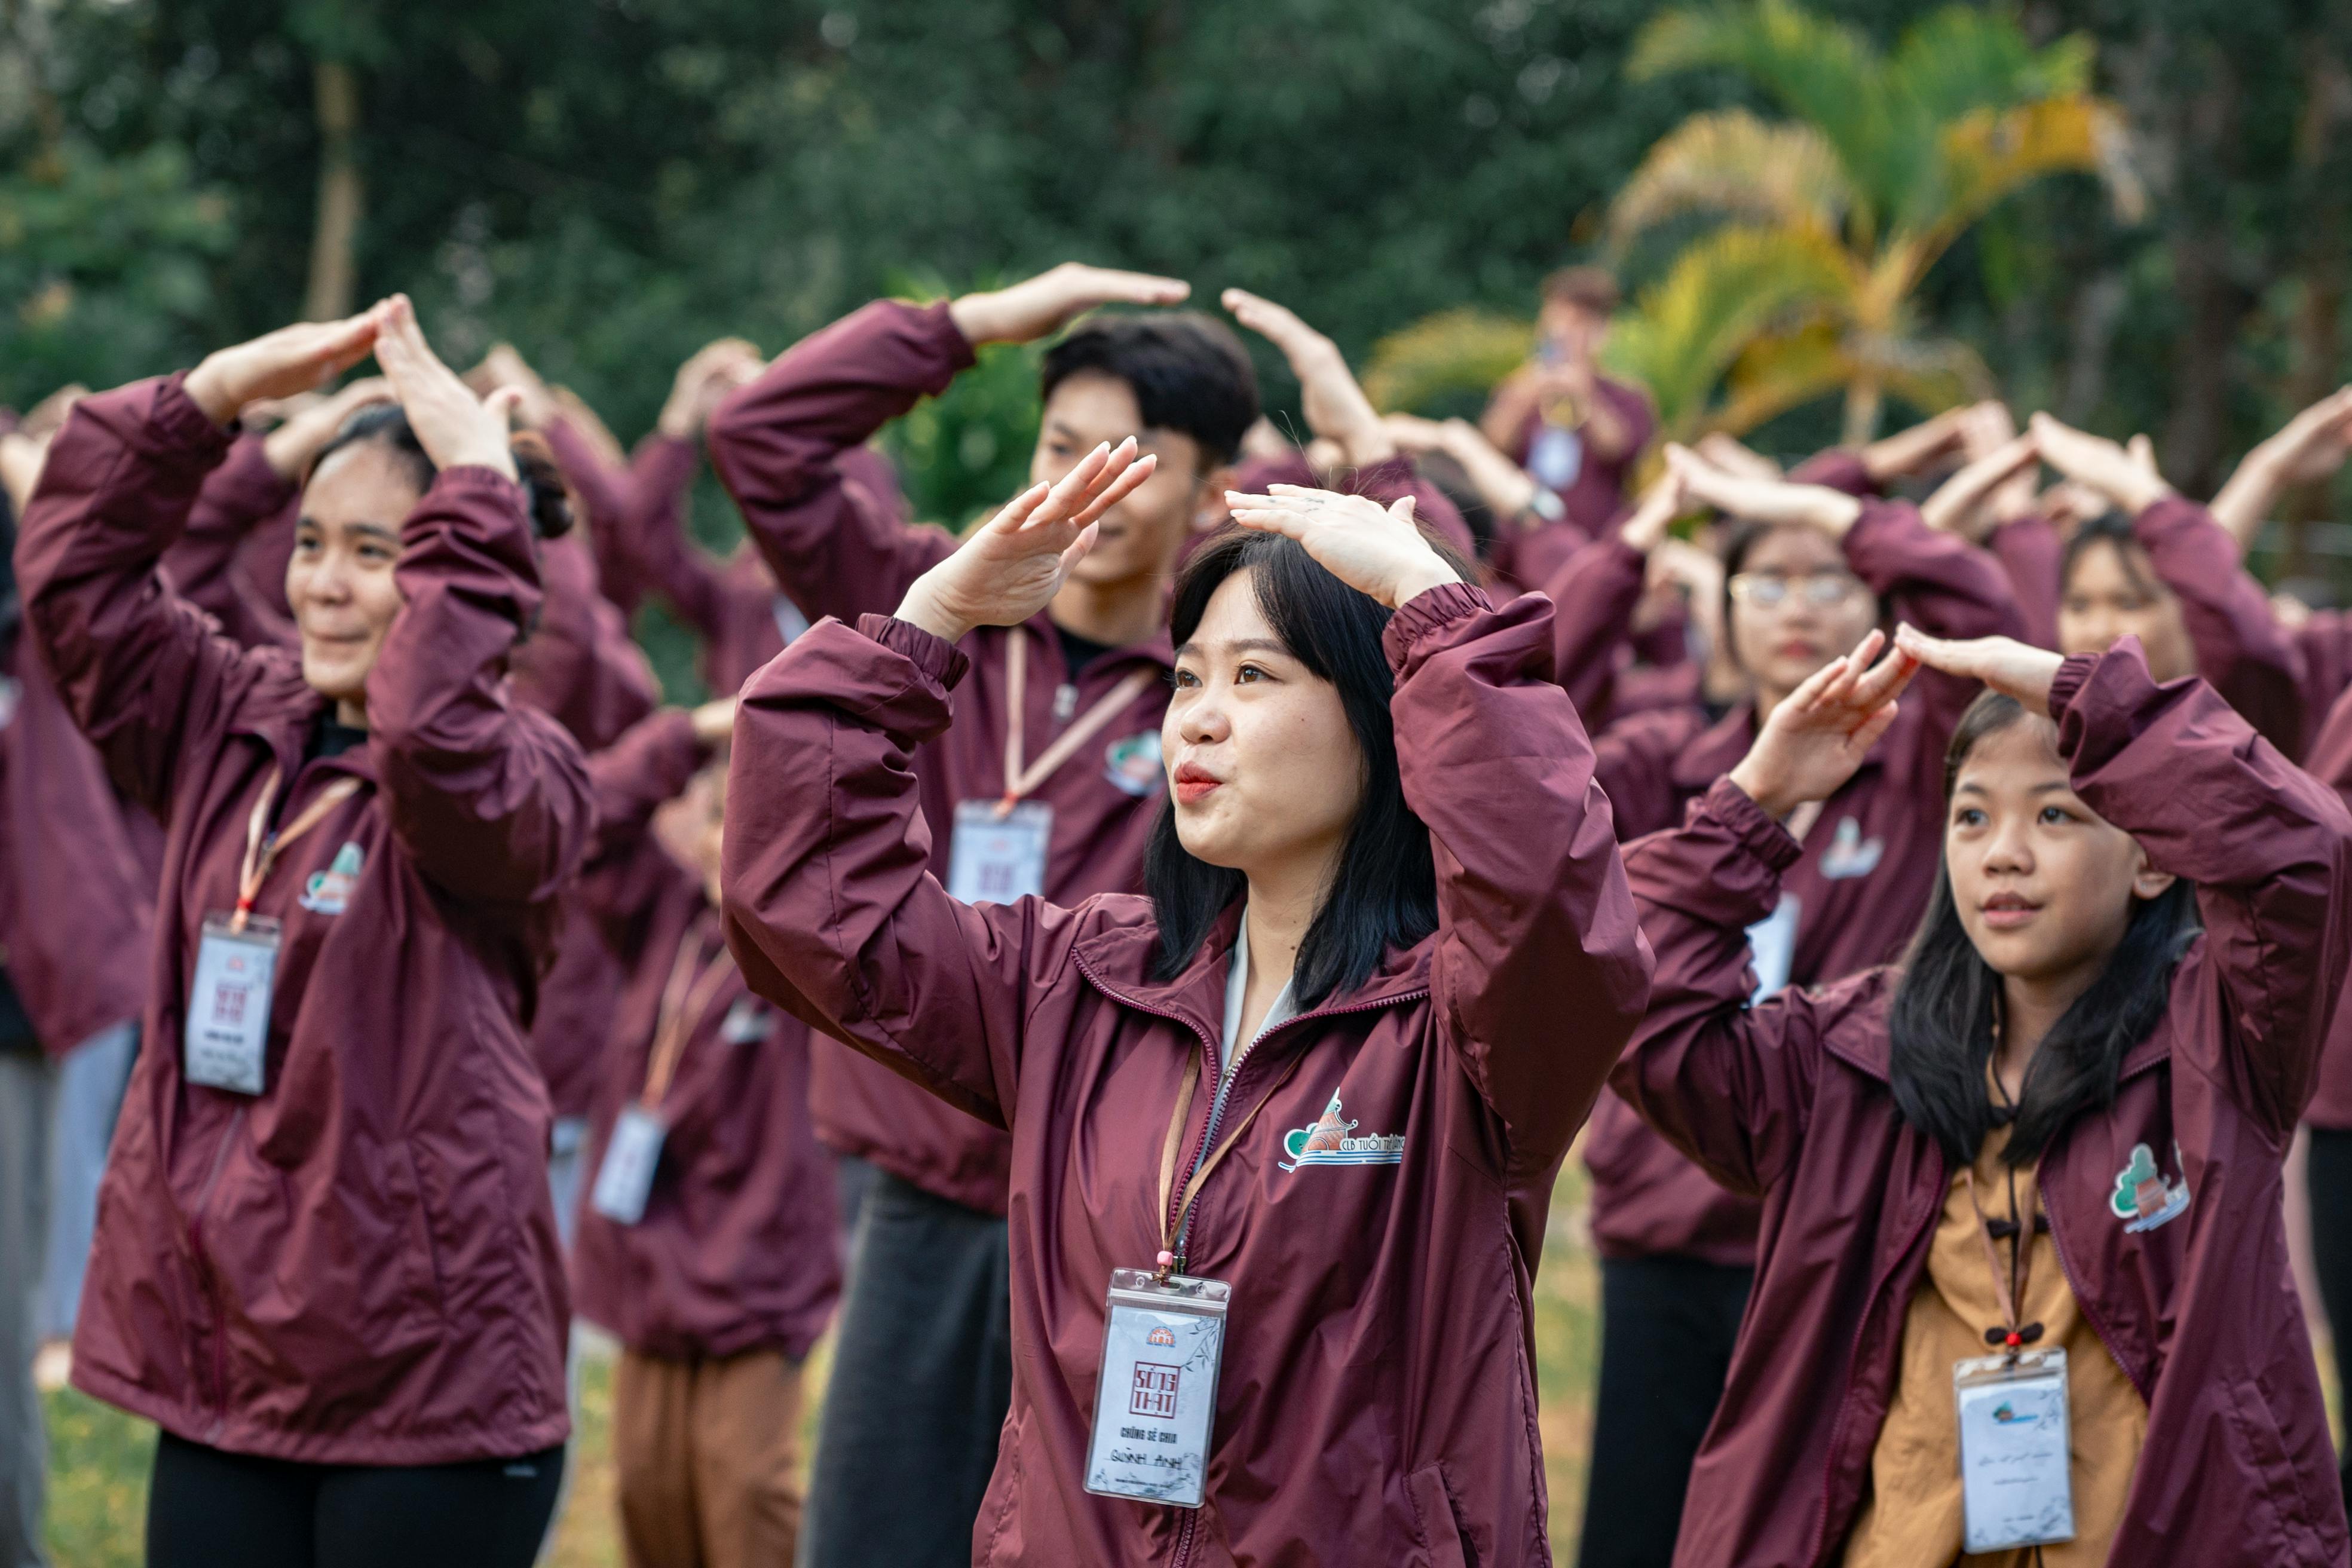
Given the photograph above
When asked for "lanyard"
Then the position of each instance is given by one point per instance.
(1020, 781)
(2008, 1288)
(262, 846)
(687, 997)
(1173, 1222)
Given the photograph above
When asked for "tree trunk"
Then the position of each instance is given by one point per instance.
(334, 239)
(2319, 318)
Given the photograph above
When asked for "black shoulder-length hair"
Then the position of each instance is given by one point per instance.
(1384, 893)
(1947, 1015)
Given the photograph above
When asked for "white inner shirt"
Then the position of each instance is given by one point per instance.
(1237, 992)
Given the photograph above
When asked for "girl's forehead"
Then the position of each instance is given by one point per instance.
(2023, 753)
(1792, 550)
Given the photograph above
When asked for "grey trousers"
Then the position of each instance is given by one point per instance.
(27, 1086)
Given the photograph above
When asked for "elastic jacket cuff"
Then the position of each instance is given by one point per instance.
(182, 431)
(1430, 610)
(937, 661)
(2070, 677)
(1748, 823)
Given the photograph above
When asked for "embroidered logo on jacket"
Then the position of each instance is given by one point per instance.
(1330, 1141)
(1850, 853)
(2143, 1197)
(1133, 764)
(327, 891)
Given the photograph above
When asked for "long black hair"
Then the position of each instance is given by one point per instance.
(1946, 1017)
(386, 425)
(1384, 892)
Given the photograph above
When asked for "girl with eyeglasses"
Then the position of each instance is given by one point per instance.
(1809, 570)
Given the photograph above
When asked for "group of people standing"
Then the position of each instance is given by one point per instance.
(1137, 971)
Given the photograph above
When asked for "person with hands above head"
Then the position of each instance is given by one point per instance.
(1579, 433)
(2156, 566)
(326, 1263)
(708, 1243)
(1810, 570)
(1312, 1084)
(1598, 595)
(2032, 1174)
(1047, 783)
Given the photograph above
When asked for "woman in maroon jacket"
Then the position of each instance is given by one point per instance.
(326, 1262)
(2022, 1193)
(1317, 1079)
(708, 1243)
(1810, 570)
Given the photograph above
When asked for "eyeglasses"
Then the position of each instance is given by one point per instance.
(1771, 590)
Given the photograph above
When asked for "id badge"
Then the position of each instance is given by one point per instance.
(1157, 1398)
(625, 1179)
(227, 1036)
(2016, 1483)
(996, 859)
(1772, 947)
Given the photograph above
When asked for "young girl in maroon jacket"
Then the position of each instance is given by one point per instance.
(2022, 1289)
(326, 1262)
(1284, 1132)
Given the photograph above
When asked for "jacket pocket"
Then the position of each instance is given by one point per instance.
(2283, 1510)
(1440, 1528)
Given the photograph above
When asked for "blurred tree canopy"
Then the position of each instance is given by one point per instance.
(609, 183)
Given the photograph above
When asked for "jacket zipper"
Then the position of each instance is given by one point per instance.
(1854, 1355)
(209, 1276)
(1190, 1524)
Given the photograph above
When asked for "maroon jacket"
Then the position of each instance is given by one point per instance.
(738, 1248)
(2323, 649)
(2240, 650)
(580, 666)
(77, 883)
(839, 552)
(359, 1266)
(1788, 1101)
(1867, 867)
(1377, 1402)
(245, 505)
(2331, 765)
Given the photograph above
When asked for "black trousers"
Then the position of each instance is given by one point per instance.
(922, 1377)
(2329, 1179)
(1668, 1325)
(210, 1509)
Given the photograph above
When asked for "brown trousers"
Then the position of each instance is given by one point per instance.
(704, 1452)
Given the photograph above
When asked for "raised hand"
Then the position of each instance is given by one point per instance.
(2101, 464)
(2310, 448)
(21, 456)
(1917, 449)
(1011, 566)
(280, 363)
(291, 447)
(1661, 504)
(505, 366)
(1335, 407)
(1819, 733)
(1963, 504)
(1055, 298)
(2010, 668)
(455, 428)
(1373, 548)
(709, 374)
(1762, 500)
(1733, 455)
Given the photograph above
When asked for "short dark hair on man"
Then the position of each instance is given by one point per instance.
(1188, 372)
(1589, 288)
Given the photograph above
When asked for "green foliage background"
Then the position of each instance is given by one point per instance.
(611, 182)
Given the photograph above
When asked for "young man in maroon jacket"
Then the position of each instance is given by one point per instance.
(1061, 804)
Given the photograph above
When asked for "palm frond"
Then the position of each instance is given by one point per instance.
(1724, 292)
(1989, 154)
(1961, 60)
(1447, 357)
(1775, 373)
(1733, 164)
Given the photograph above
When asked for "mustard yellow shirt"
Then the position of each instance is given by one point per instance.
(1911, 1515)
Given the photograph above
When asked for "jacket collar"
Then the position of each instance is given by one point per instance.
(1117, 962)
(280, 709)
